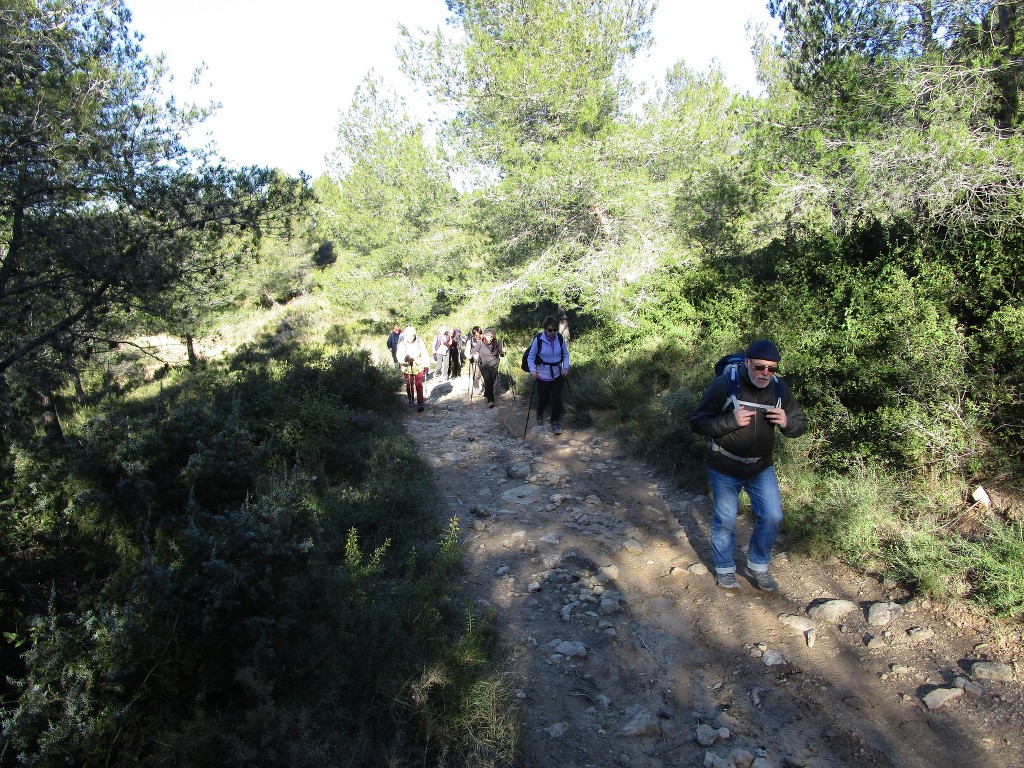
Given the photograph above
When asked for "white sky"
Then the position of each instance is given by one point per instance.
(284, 71)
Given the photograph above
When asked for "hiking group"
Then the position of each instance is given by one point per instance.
(739, 414)
(546, 360)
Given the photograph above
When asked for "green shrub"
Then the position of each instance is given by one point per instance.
(995, 562)
(848, 515)
(264, 589)
(923, 557)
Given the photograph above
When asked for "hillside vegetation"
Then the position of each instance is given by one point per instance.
(231, 552)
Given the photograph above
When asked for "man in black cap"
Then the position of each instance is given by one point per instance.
(739, 414)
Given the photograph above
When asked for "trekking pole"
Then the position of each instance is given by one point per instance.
(472, 379)
(529, 407)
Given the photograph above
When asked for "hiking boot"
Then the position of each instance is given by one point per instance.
(556, 427)
(419, 409)
(726, 581)
(762, 579)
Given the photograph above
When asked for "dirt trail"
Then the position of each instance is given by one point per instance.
(624, 653)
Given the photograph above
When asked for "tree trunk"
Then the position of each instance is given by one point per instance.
(79, 389)
(48, 410)
(190, 345)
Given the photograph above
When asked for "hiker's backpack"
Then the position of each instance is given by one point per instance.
(525, 364)
(730, 365)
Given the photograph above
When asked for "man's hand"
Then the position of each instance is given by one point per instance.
(744, 416)
(535, 375)
(777, 416)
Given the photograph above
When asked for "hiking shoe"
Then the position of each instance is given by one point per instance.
(556, 427)
(726, 581)
(419, 409)
(762, 579)
(491, 405)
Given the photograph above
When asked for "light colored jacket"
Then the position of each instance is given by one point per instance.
(416, 350)
(554, 357)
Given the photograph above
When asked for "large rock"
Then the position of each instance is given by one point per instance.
(519, 471)
(524, 495)
(831, 611)
(642, 723)
(880, 614)
(992, 670)
(936, 698)
(707, 736)
(572, 649)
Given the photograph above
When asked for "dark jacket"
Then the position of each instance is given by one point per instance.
(757, 439)
(488, 355)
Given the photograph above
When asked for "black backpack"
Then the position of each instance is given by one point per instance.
(525, 364)
(730, 365)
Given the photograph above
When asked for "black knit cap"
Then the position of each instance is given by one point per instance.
(763, 349)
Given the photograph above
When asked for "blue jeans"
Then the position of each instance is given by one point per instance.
(763, 490)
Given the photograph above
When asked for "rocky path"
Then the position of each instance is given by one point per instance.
(624, 653)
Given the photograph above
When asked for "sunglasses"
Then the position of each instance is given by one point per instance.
(759, 367)
(550, 330)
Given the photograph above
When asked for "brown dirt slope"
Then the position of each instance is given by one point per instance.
(624, 653)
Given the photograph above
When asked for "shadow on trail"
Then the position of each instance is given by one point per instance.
(671, 648)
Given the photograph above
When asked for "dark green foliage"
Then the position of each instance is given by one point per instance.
(254, 574)
(325, 255)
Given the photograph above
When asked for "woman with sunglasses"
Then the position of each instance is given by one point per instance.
(549, 365)
(740, 427)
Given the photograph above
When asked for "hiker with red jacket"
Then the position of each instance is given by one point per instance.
(740, 413)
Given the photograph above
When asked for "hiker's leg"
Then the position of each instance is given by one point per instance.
(419, 387)
(543, 398)
(766, 501)
(408, 385)
(489, 374)
(556, 399)
(725, 496)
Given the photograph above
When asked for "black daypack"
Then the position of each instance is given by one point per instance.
(730, 365)
(525, 364)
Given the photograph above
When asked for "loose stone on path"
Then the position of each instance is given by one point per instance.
(831, 611)
(883, 613)
(938, 697)
(992, 670)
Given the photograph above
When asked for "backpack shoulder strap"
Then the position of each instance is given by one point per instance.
(733, 373)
